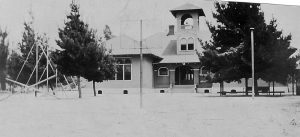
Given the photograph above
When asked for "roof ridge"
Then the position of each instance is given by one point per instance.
(186, 6)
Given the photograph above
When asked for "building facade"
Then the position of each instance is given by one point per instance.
(175, 64)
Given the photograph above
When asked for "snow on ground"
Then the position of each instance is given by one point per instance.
(162, 115)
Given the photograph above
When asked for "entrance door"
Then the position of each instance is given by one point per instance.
(184, 75)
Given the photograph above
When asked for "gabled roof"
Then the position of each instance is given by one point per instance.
(188, 7)
(158, 46)
(166, 47)
(126, 46)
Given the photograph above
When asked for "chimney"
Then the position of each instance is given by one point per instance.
(171, 30)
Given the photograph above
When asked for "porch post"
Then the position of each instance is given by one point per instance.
(196, 76)
(172, 76)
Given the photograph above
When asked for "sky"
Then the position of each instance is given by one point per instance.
(123, 16)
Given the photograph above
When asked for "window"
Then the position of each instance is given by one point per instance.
(191, 44)
(187, 44)
(189, 74)
(183, 44)
(123, 69)
(163, 71)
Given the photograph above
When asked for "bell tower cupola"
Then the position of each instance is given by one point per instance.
(187, 20)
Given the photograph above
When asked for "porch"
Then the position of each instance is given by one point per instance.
(176, 75)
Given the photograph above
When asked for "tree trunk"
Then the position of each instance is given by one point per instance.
(255, 87)
(94, 88)
(273, 88)
(246, 86)
(297, 86)
(269, 84)
(2, 81)
(79, 87)
(293, 84)
(51, 86)
(221, 86)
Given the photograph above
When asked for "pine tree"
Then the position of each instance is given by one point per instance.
(279, 55)
(100, 62)
(14, 65)
(27, 46)
(107, 33)
(231, 40)
(231, 44)
(75, 37)
(3, 58)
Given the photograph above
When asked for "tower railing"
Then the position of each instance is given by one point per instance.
(186, 26)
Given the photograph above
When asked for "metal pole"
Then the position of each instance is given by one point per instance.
(252, 60)
(141, 66)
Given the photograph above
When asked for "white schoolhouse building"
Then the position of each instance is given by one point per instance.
(175, 65)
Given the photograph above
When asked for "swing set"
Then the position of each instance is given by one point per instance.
(35, 86)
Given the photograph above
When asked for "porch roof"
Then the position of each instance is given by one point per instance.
(180, 59)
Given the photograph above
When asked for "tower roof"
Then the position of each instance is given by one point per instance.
(187, 7)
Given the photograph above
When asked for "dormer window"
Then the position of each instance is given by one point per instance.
(187, 21)
(190, 44)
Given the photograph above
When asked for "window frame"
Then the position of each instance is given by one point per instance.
(188, 42)
(123, 69)
(183, 44)
(163, 68)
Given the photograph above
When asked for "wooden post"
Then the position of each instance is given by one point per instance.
(94, 88)
(222, 86)
(293, 84)
(246, 86)
(273, 89)
(37, 69)
(79, 88)
(269, 84)
(252, 62)
(141, 64)
(47, 67)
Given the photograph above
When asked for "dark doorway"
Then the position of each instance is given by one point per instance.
(184, 75)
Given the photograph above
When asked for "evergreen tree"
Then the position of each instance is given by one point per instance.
(14, 64)
(74, 40)
(107, 33)
(3, 58)
(27, 43)
(100, 62)
(279, 56)
(27, 46)
(231, 44)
